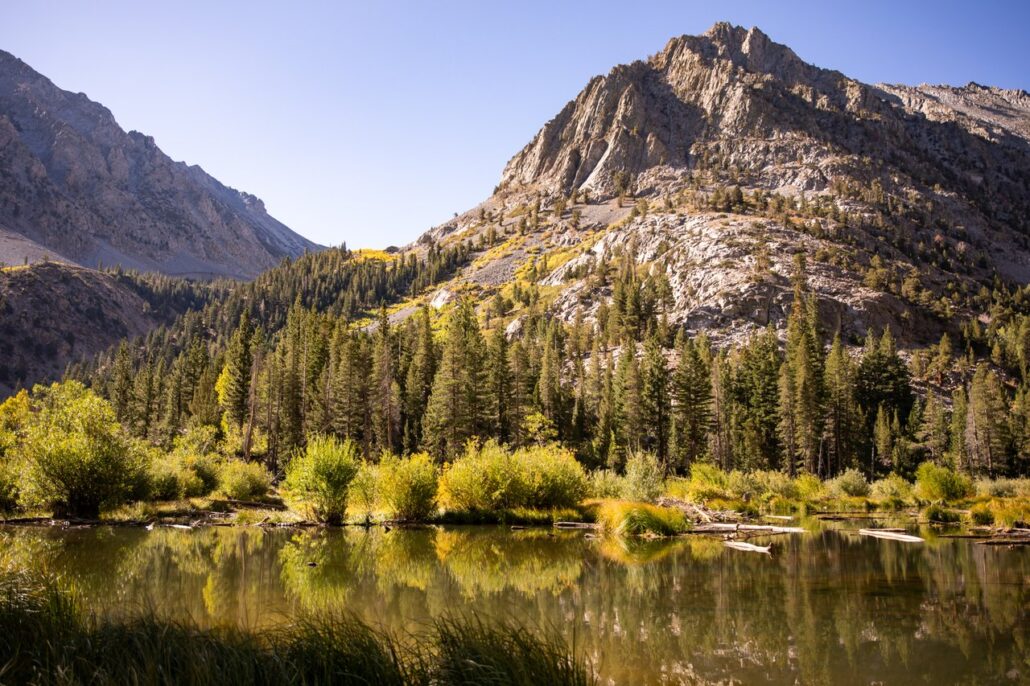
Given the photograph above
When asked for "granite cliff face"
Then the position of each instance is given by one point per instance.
(76, 187)
(719, 158)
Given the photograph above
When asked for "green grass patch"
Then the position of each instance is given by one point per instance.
(627, 518)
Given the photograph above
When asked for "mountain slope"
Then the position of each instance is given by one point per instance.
(52, 314)
(81, 189)
(718, 159)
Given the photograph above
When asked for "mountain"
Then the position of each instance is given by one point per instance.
(52, 314)
(717, 160)
(74, 186)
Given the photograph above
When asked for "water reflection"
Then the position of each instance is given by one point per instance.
(827, 607)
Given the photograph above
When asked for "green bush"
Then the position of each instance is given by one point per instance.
(644, 480)
(934, 482)
(940, 515)
(808, 486)
(76, 458)
(489, 478)
(170, 479)
(708, 482)
(241, 480)
(485, 477)
(553, 476)
(364, 489)
(850, 483)
(776, 484)
(407, 486)
(981, 515)
(604, 483)
(892, 487)
(8, 487)
(996, 488)
(321, 475)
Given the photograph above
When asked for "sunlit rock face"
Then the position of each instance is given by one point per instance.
(904, 200)
(75, 186)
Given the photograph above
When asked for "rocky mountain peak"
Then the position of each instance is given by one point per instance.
(78, 187)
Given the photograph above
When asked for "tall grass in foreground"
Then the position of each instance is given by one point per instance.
(45, 638)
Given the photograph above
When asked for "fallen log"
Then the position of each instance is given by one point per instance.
(718, 527)
(575, 525)
(890, 535)
(747, 547)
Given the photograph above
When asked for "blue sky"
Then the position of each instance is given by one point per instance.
(368, 122)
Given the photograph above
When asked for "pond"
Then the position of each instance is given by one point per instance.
(827, 607)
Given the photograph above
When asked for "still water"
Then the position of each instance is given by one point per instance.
(827, 607)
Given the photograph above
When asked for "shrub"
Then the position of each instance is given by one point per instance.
(554, 478)
(484, 477)
(996, 488)
(364, 489)
(808, 487)
(934, 482)
(890, 488)
(170, 478)
(981, 515)
(850, 483)
(605, 483)
(76, 457)
(8, 487)
(643, 478)
(407, 486)
(241, 480)
(490, 478)
(708, 482)
(322, 474)
(940, 515)
(625, 518)
(776, 484)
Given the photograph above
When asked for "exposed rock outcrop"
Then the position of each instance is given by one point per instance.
(77, 185)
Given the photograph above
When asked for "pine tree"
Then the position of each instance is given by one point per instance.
(692, 397)
(987, 438)
(457, 408)
(655, 400)
(384, 395)
(843, 418)
(419, 380)
(629, 416)
(237, 371)
(500, 385)
(933, 431)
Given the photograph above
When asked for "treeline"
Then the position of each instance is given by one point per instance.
(626, 382)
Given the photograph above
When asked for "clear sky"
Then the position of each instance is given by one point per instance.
(368, 122)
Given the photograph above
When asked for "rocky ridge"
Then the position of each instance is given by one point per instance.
(75, 186)
(906, 200)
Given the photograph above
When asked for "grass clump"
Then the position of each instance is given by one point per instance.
(981, 515)
(934, 482)
(627, 518)
(45, 638)
(321, 476)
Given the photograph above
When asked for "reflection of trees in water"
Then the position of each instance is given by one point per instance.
(825, 608)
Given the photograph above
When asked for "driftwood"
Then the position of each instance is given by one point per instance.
(747, 547)
(716, 527)
(891, 535)
(253, 504)
(575, 525)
